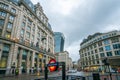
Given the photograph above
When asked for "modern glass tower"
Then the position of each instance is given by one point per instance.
(59, 41)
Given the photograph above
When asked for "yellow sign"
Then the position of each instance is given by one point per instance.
(40, 56)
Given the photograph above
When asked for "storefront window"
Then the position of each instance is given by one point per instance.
(4, 57)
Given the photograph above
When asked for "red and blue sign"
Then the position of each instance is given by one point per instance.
(52, 65)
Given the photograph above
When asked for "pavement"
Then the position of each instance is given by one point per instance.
(21, 77)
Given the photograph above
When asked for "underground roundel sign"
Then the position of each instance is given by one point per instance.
(52, 65)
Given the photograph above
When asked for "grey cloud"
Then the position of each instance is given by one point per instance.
(85, 20)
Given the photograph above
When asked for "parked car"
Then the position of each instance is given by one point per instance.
(72, 71)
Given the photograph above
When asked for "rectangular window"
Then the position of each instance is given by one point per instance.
(88, 53)
(8, 35)
(29, 22)
(1, 22)
(28, 28)
(32, 37)
(24, 18)
(91, 47)
(114, 40)
(33, 29)
(23, 24)
(11, 17)
(27, 34)
(106, 42)
(95, 45)
(99, 43)
(38, 35)
(3, 14)
(13, 10)
(109, 53)
(95, 50)
(92, 52)
(4, 6)
(97, 56)
(22, 32)
(101, 49)
(102, 55)
(116, 46)
(6, 48)
(117, 52)
(107, 48)
(10, 25)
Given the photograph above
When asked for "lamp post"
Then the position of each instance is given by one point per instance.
(107, 63)
(73, 64)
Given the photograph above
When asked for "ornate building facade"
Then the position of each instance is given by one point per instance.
(97, 47)
(26, 41)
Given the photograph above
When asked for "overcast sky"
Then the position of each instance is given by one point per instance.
(77, 19)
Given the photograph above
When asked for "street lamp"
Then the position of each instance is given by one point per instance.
(73, 64)
(107, 63)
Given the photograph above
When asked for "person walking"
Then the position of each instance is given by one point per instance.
(17, 71)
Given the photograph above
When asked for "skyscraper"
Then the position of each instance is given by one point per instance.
(59, 41)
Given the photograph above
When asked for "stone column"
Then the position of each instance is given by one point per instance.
(20, 61)
(5, 25)
(0, 50)
(33, 59)
(9, 61)
(28, 62)
(37, 63)
(46, 60)
(42, 64)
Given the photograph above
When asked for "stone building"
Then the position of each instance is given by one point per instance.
(26, 39)
(64, 57)
(98, 47)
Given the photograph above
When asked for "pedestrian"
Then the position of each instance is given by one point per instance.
(17, 71)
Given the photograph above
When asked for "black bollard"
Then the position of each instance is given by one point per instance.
(63, 71)
(46, 73)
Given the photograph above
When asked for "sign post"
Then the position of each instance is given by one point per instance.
(46, 72)
(53, 66)
(63, 71)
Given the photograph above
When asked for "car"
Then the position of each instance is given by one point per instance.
(72, 71)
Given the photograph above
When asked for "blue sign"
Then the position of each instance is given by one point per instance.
(52, 64)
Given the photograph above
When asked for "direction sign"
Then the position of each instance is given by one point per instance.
(52, 65)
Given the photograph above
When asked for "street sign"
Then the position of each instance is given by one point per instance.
(52, 65)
